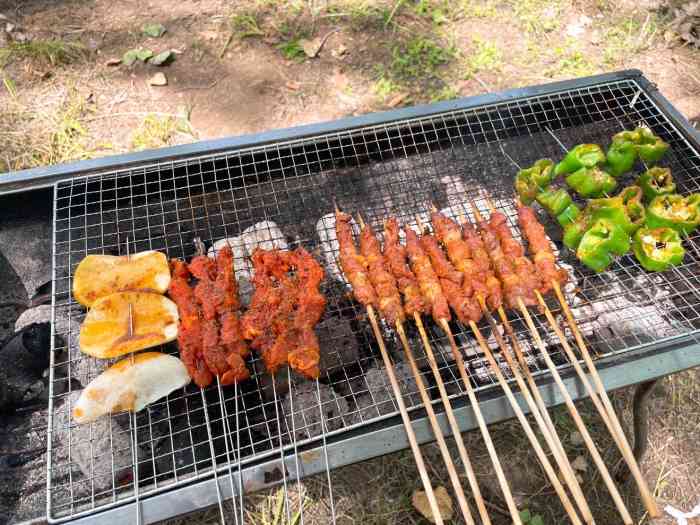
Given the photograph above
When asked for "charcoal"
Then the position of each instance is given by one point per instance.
(13, 297)
(22, 361)
(339, 346)
(374, 396)
(303, 414)
(281, 378)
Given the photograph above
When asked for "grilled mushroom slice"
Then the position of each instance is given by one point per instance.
(106, 330)
(99, 275)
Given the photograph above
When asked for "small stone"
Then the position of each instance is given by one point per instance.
(580, 463)
(576, 439)
(339, 51)
(159, 79)
(420, 503)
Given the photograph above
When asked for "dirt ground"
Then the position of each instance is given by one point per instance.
(253, 65)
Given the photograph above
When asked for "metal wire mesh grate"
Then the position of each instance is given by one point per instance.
(280, 195)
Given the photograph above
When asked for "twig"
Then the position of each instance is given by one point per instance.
(393, 12)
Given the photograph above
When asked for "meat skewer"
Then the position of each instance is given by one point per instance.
(541, 455)
(432, 291)
(540, 244)
(391, 308)
(598, 460)
(352, 264)
(447, 225)
(414, 306)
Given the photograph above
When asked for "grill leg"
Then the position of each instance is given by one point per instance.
(640, 419)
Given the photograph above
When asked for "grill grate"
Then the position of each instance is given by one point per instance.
(392, 169)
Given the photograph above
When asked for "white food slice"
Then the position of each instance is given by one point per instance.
(99, 275)
(130, 384)
(105, 330)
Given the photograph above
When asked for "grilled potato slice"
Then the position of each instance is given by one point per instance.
(105, 330)
(130, 384)
(100, 275)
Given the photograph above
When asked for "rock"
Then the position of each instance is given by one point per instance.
(159, 79)
(444, 502)
(580, 463)
(576, 439)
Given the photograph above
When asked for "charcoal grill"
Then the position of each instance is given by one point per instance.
(195, 448)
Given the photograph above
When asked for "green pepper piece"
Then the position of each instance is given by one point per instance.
(674, 211)
(569, 215)
(656, 181)
(650, 147)
(591, 182)
(582, 156)
(530, 181)
(574, 231)
(657, 249)
(620, 156)
(603, 240)
(553, 200)
(632, 199)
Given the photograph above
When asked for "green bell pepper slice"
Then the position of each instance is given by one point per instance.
(656, 181)
(569, 215)
(530, 181)
(650, 147)
(657, 249)
(591, 182)
(574, 231)
(632, 198)
(620, 156)
(554, 200)
(582, 156)
(674, 211)
(601, 243)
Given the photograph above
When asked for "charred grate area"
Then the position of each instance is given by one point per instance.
(281, 195)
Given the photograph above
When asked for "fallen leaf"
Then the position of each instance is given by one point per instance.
(396, 100)
(153, 29)
(9, 27)
(580, 463)
(162, 59)
(130, 57)
(159, 79)
(144, 54)
(293, 85)
(420, 503)
(113, 62)
(311, 47)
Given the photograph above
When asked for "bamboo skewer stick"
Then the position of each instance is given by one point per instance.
(420, 463)
(437, 430)
(598, 460)
(500, 475)
(454, 477)
(410, 433)
(541, 455)
(456, 432)
(612, 420)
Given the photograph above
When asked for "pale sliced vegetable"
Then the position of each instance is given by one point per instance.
(130, 384)
(105, 331)
(100, 275)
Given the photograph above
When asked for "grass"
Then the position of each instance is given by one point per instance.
(245, 25)
(292, 50)
(629, 37)
(538, 17)
(157, 131)
(53, 52)
(418, 58)
(484, 56)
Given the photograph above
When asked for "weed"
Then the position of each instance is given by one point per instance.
(385, 87)
(628, 37)
(292, 50)
(52, 51)
(446, 93)
(245, 25)
(437, 13)
(156, 131)
(485, 56)
(478, 9)
(418, 58)
(537, 16)
(572, 62)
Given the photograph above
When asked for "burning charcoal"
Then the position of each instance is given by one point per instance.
(338, 345)
(265, 235)
(325, 228)
(303, 404)
(23, 359)
(93, 447)
(374, 396)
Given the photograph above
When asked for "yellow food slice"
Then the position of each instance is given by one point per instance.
(105, 330)
(100, 275)
(130, 384)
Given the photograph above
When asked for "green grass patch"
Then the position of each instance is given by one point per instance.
(628, 37)
(385, 87)
(418, 58)
(538, 16)
(292, 50)
(157, 131)
(245, 25)
(478, 9)
(53, 51)
(570, 62)
(484, 56)
(446, 93)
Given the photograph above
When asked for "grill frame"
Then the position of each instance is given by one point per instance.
(345, 126)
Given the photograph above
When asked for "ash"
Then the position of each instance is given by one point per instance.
(373, 395)
(304, 413)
